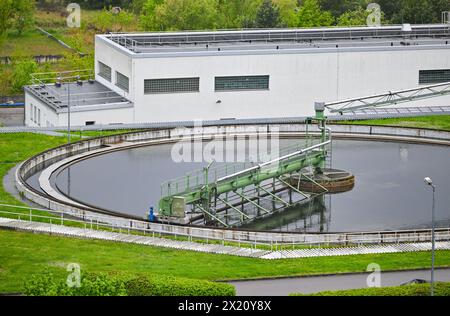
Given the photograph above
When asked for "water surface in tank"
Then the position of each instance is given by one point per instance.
(389, 193)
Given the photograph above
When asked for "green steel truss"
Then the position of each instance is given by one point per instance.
(231, 195)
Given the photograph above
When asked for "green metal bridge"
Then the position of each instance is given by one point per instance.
(235, 194)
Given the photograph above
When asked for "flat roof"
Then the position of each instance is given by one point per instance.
(82, 95)
(280, 39)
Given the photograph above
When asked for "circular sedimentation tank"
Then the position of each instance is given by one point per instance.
(388, 193)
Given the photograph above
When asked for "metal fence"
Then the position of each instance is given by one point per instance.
(356, 115)
(237, 238)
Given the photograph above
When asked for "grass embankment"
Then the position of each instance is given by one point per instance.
(92, 22)
(25, 254)
(15, 148)
(441, 122)
(80, 134)
(441, 289)
(30, 43)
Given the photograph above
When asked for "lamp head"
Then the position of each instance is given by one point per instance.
(428, 181)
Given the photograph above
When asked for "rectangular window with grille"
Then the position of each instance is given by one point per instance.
(104, 71)
(173, 85)
(434, 76)
(122, 81)
(242, 83)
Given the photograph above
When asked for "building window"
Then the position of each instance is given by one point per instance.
(242, 83)
(176, 85)
(104, 71)
(35, 115)
(122, 81)
(31, 112)
(39, 117)
(90, 123)
(434, 76)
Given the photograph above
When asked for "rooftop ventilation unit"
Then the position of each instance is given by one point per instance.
(406, 28)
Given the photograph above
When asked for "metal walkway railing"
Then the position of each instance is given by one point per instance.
(277, 252)
(238, 238)
(355, 115)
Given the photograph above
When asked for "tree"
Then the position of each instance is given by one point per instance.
(23, 15)
(310, 14)
(268, 15)
(288, 11)
(6, 11)
(16, 15)
(339, 7)
(107, 21)
(353, 18)
(390, 7)
(415, 12)
(180, 15)
(356, 17)
(147, 18)
(439, 6)
(238, 13)
(21, 75)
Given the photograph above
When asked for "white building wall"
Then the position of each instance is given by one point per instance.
(296, 82)
(118, 62)
(100, 117)
(48, 117)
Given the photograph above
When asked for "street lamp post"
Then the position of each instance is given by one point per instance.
(430, 183)
(68, 112)
(68, 107)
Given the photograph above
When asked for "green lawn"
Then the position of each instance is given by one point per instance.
(77, 134)
(441, 122)
(24, 254)
(15, 148)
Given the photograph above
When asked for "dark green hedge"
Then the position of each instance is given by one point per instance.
(98, 284)
(441, 289)
(170, 286)
(46, 284)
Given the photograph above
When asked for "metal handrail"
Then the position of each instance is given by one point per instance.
(224, 172)
(95, 221)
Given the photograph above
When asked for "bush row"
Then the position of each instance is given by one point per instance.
(100, 284)
(441, 289)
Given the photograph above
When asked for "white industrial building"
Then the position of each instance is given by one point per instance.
(166, 77)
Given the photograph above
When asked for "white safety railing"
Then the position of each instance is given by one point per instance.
(246, 239)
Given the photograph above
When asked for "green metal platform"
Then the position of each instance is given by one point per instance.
(234, 194)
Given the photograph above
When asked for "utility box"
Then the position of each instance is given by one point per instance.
(178, 207)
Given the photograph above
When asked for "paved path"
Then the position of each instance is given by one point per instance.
(12, 116)
(308, 285)
(60, 230)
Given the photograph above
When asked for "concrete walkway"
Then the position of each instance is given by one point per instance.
(309, 285)
(60, 230)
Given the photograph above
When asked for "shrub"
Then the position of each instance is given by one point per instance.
(21, 75)
(91, 285)
(100, 284)
(170, 286)
(441, 289)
